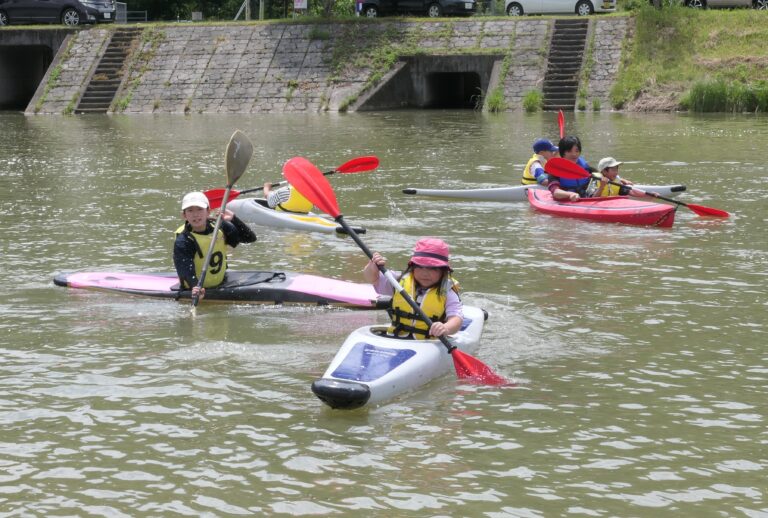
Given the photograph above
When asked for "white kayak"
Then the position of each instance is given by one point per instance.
(371, 368)
(255, 211)
(517, 192)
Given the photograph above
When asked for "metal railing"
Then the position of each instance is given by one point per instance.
(123, 15)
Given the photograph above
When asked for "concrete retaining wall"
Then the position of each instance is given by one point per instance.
(261, 68)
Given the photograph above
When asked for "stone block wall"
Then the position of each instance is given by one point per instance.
(276, 67)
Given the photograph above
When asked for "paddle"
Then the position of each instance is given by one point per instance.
(561, 123)
(566, 169)
(238, 154)
(360, 164)
(311, 183)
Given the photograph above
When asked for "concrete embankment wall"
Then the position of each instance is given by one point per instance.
(290, 67)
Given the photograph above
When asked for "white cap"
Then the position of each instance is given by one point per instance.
(608, 161)
(194, 199)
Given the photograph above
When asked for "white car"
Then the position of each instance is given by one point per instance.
(580, 7)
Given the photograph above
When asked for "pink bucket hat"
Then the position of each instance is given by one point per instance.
(430, 251)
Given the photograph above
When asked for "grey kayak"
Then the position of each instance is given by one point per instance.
(517, 192)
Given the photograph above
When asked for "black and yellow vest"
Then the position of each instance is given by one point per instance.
(217, 267)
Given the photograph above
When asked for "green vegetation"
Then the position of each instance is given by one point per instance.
(710, 60)
(150, 41)
(53, 78)
(495, 102)
(533, 101)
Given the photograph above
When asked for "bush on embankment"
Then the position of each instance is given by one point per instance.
(682, 58)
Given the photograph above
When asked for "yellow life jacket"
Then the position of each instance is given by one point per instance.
(217, 267)
(528, 178)
(406, 323)
(593, 191)
(296, 203)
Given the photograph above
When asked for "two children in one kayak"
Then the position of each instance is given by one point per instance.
(428, 281)
(194, 237)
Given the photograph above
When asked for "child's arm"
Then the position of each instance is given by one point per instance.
(450, 327)
(371, 270)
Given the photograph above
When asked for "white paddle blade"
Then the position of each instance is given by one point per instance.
(239, 153)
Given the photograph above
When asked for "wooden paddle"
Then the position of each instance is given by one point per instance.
(563, 168)
(311, 183)
(238, 154)
(360, 164)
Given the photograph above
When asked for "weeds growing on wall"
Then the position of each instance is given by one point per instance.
(533, 101)
(150, 41)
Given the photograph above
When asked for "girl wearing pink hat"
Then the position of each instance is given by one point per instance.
(428, 281)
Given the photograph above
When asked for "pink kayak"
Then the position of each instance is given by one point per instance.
(613, 209)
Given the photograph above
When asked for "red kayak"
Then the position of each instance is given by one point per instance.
(613, 209)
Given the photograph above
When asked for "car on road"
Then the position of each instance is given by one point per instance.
(579, 7)
(432, 8)
(68, 12)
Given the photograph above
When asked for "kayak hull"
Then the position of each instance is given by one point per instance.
(370, 368)
(260, 287)
(518, 192)
(613, 209)
(256, 212)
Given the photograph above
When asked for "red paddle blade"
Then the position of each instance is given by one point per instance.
(561, 123)
(310, 182)
(471, 369)
(216, 196)
(707, 211)
(563, 168)
(359, 165)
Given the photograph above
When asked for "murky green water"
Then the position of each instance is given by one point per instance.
(640, 352)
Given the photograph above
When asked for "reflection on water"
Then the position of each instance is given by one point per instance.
(639, 352)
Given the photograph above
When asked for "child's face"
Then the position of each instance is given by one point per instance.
(427, 276)
(547, 154)
(611, 172)
(196, 217)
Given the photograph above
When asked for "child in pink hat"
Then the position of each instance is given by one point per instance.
(429, 282)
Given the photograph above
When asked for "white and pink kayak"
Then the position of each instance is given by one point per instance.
(260, 287)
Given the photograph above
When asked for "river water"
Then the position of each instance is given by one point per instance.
(639, 353)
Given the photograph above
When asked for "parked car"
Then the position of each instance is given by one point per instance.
(580, 7)
(704, 4)
(432, 8)
(68, 12)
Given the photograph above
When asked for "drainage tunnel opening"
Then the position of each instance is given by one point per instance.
(22, 68)
(453, 90)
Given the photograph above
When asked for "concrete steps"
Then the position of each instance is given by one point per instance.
(561, 81)
(107, 77)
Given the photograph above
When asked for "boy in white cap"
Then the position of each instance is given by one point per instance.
(609, 172)
(194, 237)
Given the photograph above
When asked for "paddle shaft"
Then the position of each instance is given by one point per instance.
(394, 282)
(276, 184)
(659, 196)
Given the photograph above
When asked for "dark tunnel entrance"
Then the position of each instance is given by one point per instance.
(434, 82)
(453, 90)
(22, 68)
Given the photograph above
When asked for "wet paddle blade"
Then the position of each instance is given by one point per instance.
(216, 196)
(310, 182)
(471, 369)
(360, 164)
(561, 123)
(563, 168)
(707, 211)
(237, 157)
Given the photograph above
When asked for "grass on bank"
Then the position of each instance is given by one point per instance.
(701, 60)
